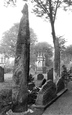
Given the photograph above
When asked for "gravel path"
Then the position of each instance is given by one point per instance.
(62, 106)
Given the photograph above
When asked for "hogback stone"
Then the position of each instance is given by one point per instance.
(47, 92)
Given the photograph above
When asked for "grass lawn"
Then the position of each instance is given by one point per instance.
(8, 76)
(8, 82)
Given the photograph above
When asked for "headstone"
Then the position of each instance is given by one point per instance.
(21, 66)
(43, 82)
(40, 76)
(50, 74)
(47, 93)
(1, 74)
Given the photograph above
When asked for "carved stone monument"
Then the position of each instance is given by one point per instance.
(21, 66)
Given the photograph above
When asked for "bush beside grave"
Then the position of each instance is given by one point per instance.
(30, 78)
(31, 85)
(5, 99)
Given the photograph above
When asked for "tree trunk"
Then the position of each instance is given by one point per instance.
(21, 67)
(56, 65)
(56, 72)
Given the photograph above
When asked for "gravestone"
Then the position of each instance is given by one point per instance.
(50, 74)
(21, 65)
(40, 76)
(47, 93)
(1, 74)
(43, 82)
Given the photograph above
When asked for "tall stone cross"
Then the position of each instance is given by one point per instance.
(22, 58)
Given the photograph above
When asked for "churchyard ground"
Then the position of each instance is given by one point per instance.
(63, 105)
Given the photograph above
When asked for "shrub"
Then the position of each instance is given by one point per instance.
(31, 85)
(5, 98)
(30, 78)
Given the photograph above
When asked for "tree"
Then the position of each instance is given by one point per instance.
(8, 2)
(68, 54)
(68, 4)
(48, 9)
(45, 49)
(8, 45)
(69, 50)
(9, 41)
(62, 46)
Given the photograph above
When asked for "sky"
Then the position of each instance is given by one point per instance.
(63, 25)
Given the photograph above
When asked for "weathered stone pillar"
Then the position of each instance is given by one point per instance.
(22, 58)
(1, 74)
